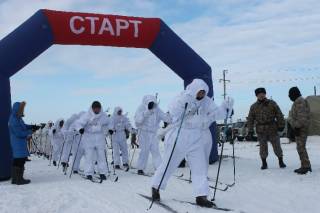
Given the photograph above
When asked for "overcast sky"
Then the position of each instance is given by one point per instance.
(274, 44)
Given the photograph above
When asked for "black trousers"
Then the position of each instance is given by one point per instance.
(19, 162)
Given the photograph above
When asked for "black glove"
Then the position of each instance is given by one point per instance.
(280, 129)
(297, 132)
(232, 113)
(150, 105)
(81, 131)
(54, 131)
(43, 125)
(127, 133)
(110, 131)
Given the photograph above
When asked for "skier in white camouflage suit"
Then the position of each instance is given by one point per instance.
(121, 129)
(93, 126)
(57, 140)
(189, 144)
(147, 119)
(77, 147)
(69, 134)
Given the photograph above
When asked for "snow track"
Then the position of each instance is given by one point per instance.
(274, 190)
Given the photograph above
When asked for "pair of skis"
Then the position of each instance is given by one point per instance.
(97, 179)
(170, 209)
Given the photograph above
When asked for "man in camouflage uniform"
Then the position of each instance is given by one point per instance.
(299, 119)
(268, 118)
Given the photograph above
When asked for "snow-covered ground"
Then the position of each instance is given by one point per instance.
(271, 191)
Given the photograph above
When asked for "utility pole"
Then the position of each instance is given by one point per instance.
(315, 90)
(225, 81)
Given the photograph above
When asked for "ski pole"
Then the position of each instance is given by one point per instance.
(66, 168)
(220, 160)
(45, 145)
(174, 146)
(40, 143)
(75, 156)
(106, 154)
(34, 144)
(64, 141)
(114, 169)
(234, 159)
(134, 150)
(51, 149)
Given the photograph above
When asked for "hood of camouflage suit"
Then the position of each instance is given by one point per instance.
(56, 124)
(195, 86)
(147, 99)
(93, 115)
(116, 110)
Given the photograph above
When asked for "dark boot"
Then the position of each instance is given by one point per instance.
(281, 163)
(140, 172)
(20, 180)
(204, 202)
(89, 177)
(303, 171)
(125, 165)
(103, 177)
(75, 172)
(264, 164)
(14, 175)
(54, 163)
(117, 167)
(155, 194)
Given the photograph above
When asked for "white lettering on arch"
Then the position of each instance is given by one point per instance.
(72, 25)
(121, 24)
(106, 26)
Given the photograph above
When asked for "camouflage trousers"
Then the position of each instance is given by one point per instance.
(302, 151)
(274, 140)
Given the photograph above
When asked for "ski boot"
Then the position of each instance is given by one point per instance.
(155, 194)
(54, 163)
(204, 202)
(103, 177)
(89, 177)
(140, 172)
(117, 167)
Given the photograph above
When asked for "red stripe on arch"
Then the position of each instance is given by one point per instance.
(98, 29)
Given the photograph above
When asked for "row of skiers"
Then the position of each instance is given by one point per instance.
(186, 135)
(61, 140)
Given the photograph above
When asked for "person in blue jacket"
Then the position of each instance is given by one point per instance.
(19, 134)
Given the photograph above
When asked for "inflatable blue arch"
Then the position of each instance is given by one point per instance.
(47, 27)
